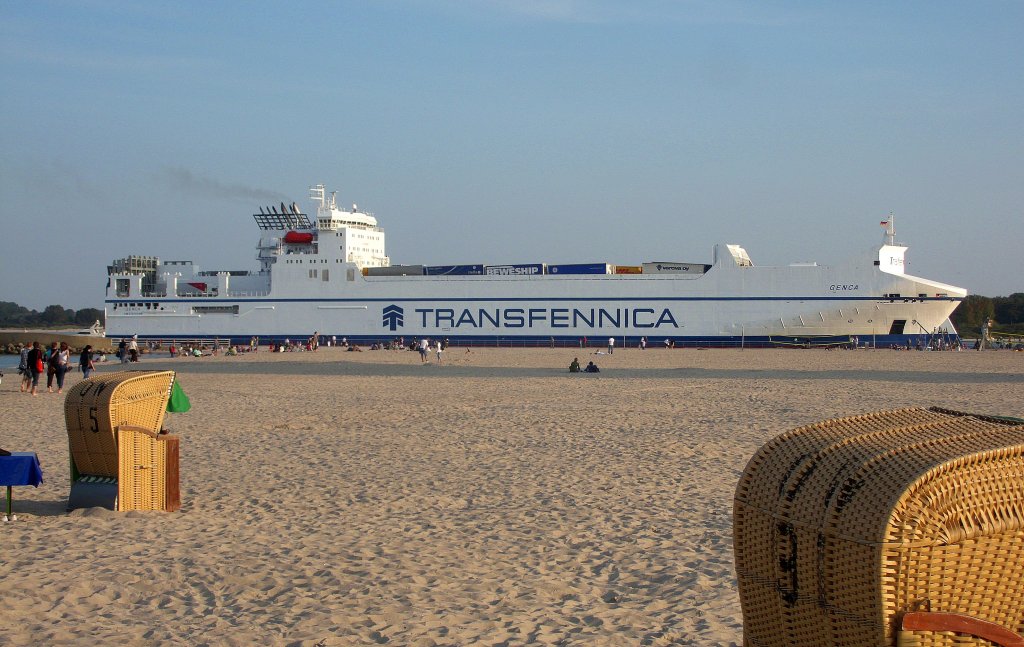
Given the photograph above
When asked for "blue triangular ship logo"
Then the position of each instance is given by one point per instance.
(394, 316)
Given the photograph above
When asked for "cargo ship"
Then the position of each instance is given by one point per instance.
(330, 276)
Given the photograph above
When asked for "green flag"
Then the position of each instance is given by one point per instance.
(179, 401)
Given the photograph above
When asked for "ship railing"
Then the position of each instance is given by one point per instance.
(208, 294)
(245, 294)
(158, 346)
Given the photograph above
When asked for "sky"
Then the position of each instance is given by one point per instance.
(504, 131)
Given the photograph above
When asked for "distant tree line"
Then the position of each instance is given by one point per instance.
(14, 316)
(1007, 314)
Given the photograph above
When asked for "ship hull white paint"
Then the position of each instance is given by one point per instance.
(313, 287)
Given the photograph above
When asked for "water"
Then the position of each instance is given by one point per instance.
(9, 363)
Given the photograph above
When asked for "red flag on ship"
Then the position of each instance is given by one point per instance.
(885, 223)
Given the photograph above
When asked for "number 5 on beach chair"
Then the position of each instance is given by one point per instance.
(120, 459)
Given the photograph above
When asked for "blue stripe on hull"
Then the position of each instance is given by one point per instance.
(601, 341)
(230, 301)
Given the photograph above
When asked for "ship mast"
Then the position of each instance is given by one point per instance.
(890, 230)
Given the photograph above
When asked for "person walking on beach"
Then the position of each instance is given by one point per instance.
(133, 348)
(440, 349)
(643, 343)
(26, 375)
(611, 345)
(50, 357)
(62, 365)
(35, 365)
(423, 349)
(85, 362)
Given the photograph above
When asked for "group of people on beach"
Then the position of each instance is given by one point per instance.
(55, 361)
(574, 367)
(128, 350)
(425, 346)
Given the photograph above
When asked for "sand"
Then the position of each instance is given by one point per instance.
(336, 498)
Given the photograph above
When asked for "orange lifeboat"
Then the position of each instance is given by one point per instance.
(297, 237)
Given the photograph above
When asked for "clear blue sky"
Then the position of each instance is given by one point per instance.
(512, 131)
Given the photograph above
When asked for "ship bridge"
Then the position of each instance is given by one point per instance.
(358, 238)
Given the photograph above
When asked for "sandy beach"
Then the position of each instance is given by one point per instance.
(340, 498)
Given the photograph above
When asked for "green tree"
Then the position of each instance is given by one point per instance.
(1009, 310)
(11, 314)
(88, 316)
(55, 316)
(972, 312)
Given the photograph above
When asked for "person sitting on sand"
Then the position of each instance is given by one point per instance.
(575, 366)
(591, 368)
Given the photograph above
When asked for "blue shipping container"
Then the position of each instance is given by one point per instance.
(453, 270)
(521, 269)
(580, 268)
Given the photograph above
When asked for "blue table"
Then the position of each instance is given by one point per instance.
(20, 468)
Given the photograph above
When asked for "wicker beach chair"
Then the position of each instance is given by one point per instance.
(119, 457)
(893, 528)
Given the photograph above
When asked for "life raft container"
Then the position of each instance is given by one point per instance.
(298, 237)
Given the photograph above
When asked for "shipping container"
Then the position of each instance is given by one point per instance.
(629, 269)
(453, 270)
(394, 270)
(666, 267)
(521, 269)
(580, 268)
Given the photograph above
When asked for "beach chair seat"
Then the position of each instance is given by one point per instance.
(898, 527)
(120, 457)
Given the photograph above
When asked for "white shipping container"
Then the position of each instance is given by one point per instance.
(666, 267)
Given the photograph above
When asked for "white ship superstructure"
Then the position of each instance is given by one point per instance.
(332, 276)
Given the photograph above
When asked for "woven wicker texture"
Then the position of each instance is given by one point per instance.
(141, 485)
(841, 526)
(95, 408)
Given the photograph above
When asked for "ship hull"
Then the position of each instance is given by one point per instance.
(727, 306)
